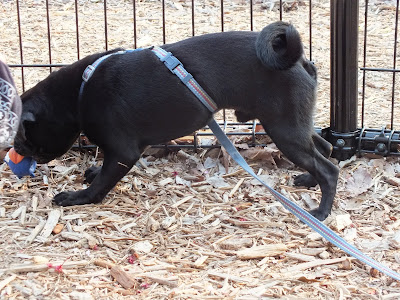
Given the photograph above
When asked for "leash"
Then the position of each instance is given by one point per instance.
(176, 67)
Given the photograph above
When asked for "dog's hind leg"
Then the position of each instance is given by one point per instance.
(115, 167)
(300, 147)
(325, 148)
(91, 173)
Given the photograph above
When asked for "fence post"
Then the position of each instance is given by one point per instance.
(344, 73)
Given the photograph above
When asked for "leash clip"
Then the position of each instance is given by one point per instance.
(171, 62)
(88, 73)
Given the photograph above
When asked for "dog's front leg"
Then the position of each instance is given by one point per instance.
(114, 168)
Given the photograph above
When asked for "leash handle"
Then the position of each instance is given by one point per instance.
(300, 213)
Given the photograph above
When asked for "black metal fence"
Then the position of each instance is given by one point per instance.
(344, 132)
(359, 114)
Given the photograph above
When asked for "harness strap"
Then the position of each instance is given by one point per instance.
(91, 68)
(176, 67)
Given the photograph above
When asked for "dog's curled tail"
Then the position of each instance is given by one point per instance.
(279, 46)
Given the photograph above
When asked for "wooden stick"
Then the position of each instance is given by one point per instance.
(230, 277)
(52, 221)
(261, 251)
(17, 212)
(236, 187)
(119, 274)
(41, 267)
(200, 260)
(103, 263)
(172, 282)
(182, 201)
(23, 215)
(6, 281)
(35, 232)
(301, 257)
(315, 263)
(123, 277)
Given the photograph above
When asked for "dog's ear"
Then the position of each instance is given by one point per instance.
(279, 44)
(26, 118)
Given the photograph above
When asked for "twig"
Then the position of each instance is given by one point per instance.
(261, 251)
(52, 221)
(120, 275)
(315, 263)
(6, 281)
(230, 277)
(41, 267)
(35, 232)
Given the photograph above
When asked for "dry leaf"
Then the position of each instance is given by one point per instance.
(359, 183)
(266, 155)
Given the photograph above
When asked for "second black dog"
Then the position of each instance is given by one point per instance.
(132, 100)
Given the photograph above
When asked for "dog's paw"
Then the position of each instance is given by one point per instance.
(72, 198)
(91, 173)
(319, 214)
(64, 199)
(305, 180)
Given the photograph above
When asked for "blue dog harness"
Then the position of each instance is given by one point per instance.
(176, 67)
(91, 68)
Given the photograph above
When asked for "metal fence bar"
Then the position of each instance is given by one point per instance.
(379, 69)
(77, 30)
(20, 45)
(105, 25)
(48, 32)
(163, 21)
(134, 24)
(222, 15)
(344, 76)
(394, 63)
(364, 63)
(193, 32)
(310, 27)
(36, 65)
(251, 16)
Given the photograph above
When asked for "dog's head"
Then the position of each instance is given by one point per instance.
(47, 129)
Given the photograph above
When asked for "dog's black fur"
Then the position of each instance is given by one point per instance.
(132, 100)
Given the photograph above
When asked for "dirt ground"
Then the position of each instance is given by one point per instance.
(185, 225)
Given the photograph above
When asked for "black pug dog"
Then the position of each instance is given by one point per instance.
(132, 101)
